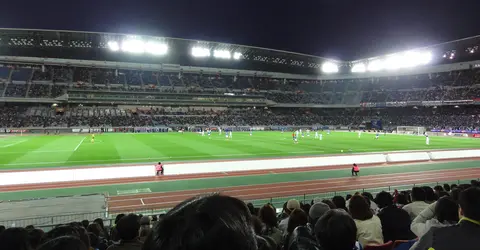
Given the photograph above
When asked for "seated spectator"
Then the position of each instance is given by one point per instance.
(465, 234)
(340, 202)
(446, 187)
(2, 228)
(297, 218)
(395, 221)
(36, 237)
(204, 223)
(85, 223)
(330, 204)
(64, 243)
(418, 204)
(95, 229)
(263, 242)
(113, 230)
(316, 211)
(268, 216)
(291, 205)
(442, 213)
(103, 233)
(302, 238)
(128, 232)
(429, 195)
(373, 205)
(15, 238)
(369, 226)
(336, 230)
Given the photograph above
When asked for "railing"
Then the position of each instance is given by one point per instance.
(47, 223)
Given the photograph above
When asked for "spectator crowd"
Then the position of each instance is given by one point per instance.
(443, 218)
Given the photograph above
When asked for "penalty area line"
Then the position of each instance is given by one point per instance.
(79, 144)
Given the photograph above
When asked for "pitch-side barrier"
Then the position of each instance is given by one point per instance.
(117, 172)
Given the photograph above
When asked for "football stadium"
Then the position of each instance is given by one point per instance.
(86, 119)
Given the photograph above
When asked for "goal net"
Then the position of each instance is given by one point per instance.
(410, 130)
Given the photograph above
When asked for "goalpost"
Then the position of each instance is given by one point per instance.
(410, 130)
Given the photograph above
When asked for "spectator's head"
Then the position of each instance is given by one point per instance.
(336, 230)
(118, 217)
(348, 196)
(368, 195)
(95, 229)
(330, 204)
(64, 243)
(453, 186)
(36, 237)
(359, 208)
(443, 194)
(418, 194)
(2, 228)
(446, 210)
(316, 211)
(297, 218)
(268, 216)
(128, 227)
(469, 201)
(292, 205)
(30, 227)
(446, 187)
(429, 194)
(85, 223)
(204, 223)
(438, 189)
(99, 221)
(145, 221)
(251, 208)
(339, 202)
(257, 225)
(456, 194)
(15, 238)
(384, 199)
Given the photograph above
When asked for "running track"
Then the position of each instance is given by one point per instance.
(266, 191)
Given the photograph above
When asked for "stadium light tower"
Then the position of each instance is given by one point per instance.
(237, 55)
(222, 54)
(133, 46)
(359, 68)
(156, 48)
(329, 67)
(200, 52)
(375, 65)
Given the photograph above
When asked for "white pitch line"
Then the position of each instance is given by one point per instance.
(12, 144)
(79, 144)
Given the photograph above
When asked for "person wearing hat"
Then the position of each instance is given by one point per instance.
(316, 211)
(291, 205)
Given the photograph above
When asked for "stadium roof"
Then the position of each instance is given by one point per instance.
(98, 46)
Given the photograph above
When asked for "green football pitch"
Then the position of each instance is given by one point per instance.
(30, 151)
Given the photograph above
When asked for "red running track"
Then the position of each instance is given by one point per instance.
(265, 191)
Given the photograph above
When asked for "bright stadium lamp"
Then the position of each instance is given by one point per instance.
(394, 62)
(156, 48)
(359, 68)
(375, 65)
(329, 67)
(237, 55)
(222, 54)
(133, 46)
(113, 46)
(426, 57)
(200, 52)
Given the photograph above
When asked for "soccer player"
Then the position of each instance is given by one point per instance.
(93, 138)
(320, 137)
(294, 135)
(203, 132)
(209, 132)
(359, 133)
(220, 131)
(427, 139)
(230, 134)
(328, 132)
(251, 131)
(377, 135)
(308, 132)
(159, 169)
(316, 134)
(226, 134)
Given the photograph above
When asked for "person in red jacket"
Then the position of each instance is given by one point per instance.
(355, 170)
(159, 168)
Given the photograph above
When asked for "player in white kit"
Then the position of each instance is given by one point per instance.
(359, 133)
(321, 137)
(220, 131)
(203, 133)
(427, 139)
(316, 134)
(230, 134)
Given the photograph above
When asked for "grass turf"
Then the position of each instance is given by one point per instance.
(77, 150)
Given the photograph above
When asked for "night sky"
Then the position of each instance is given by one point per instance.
(341, 29)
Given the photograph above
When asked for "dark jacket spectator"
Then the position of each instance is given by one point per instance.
(340, 202)
(395, 221)
(302, 239)
(113, 230)
(204, 223)
(128, 232)
(297, 218)
(336, 230)
(36, 237)
(15, 239)
(464, 235)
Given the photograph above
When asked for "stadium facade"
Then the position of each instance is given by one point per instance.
(68, 69)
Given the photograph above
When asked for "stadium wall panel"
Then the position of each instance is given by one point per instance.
(457, 154)
(406, 157)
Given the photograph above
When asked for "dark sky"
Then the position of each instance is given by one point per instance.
(342, 29)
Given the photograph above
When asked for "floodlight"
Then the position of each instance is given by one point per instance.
(359, 68)
(133, 46)
(223, 54)
(395, 62)
(113, 46)
(200, 52)
(156, 48)
(426, 57)
(375, 65)
(237, 55)
(329, 67)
